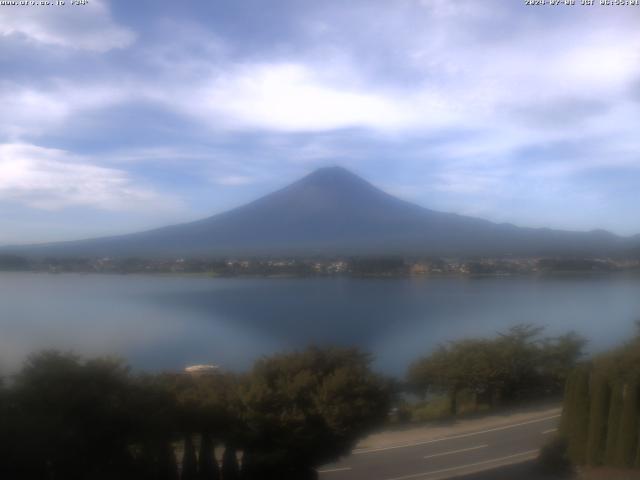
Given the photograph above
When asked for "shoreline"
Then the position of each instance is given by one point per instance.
(550, 274)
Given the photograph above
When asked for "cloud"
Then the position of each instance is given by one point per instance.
(51, 179)
(31, 111)
(490, 84)
(285, 97)
(234, 180)
(459, 80)
(83, 27)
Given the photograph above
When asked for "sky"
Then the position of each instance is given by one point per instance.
(121, 116)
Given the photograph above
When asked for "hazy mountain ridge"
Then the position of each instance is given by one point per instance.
(333, 211)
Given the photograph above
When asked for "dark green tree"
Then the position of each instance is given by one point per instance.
(208, 468)
(613, 412)
(75, 414)
(251, 469)
(613, 422)
(469, 365)
(207, 404)
(13, 263)
(519, 358)
(567, 407)
(598, 413)
(628, 430)
(155, 413)
(230, 468)
(558, 357)
(304, 409)
(579, 426)
(437, 373)
(517, 365)
(167, 467)
(189, 460)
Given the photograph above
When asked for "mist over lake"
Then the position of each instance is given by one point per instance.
(168, 322)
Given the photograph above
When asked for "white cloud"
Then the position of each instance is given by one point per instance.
(499, 87)
(488, 86)
(52, 179)
(285, 97)
(30, 111)
(87, 27)
(234, 180)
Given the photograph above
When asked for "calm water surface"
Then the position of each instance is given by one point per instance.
(158, 322)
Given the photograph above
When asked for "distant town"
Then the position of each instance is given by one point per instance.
(377, 266)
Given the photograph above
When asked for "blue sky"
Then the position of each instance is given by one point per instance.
(120, 116)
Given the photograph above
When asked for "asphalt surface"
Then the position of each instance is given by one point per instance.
(490, 449)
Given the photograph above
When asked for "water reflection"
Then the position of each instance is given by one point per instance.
(167, 322)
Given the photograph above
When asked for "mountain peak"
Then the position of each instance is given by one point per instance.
(331, 170)
(334, 177)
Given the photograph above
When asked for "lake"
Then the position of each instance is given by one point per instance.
(168, 322)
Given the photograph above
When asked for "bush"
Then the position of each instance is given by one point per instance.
(554, 458)
(436, 409)
(304, 409)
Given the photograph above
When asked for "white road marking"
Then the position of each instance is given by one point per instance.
(461, 467)
(456, 451)
(331, 470)
(551, 430)
(453, 437)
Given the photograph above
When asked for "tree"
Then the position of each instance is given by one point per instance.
(599, 409)
(613, 422)
(436, 373)
(519, 358)
(166, 465)
(207, 404)
(16, 456)
(463, 365)
(515, 366)
(307, 408)
(566, 419)
(189, 460)
(612, 398)
(628, 430)
(155, 417)
(208, 468)
(230, 468)
(580, 417)
(75, 414)
(251, 470)
(367, 266)
(558, 357)
(13, 263)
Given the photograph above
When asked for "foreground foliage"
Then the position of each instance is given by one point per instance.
(601, 412)
(515, 366)
(62, 417)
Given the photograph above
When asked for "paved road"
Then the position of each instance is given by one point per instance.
(447, 457)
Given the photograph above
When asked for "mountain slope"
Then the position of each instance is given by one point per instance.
(333, 211)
